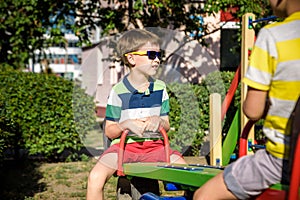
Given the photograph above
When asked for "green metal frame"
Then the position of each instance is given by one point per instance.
(188, 175)
(231, 139)
(191, 176)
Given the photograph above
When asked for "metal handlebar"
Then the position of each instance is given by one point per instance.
(243, 141)
(124, 134)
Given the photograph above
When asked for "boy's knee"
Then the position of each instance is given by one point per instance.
(198, 195)
(96, 177)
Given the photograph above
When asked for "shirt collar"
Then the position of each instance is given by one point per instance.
(133, 90)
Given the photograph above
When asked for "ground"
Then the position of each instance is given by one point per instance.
(39, 180)
(57, 181)
(34, 180)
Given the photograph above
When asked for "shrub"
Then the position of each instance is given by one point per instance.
(43, 113)
(189, 110)
(49, 115)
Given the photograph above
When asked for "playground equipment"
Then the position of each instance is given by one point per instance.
(192, 176)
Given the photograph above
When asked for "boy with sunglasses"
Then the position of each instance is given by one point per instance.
(273, 79)
(139, 104)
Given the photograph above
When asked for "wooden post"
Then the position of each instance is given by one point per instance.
(248, 37)
(215, 132)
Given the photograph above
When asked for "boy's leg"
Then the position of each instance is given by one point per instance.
(213, 189)
(174, 158)
(99, 175)
(246, 177)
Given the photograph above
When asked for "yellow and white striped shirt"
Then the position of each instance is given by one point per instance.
(275, 67)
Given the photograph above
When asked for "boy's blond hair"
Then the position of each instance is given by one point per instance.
(133, 39)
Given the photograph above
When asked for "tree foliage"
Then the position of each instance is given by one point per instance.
(43, 114)
(261, 9)
(257, 7)
(24, 23)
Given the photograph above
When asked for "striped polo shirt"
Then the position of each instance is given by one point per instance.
(275, 67)
(126, 102)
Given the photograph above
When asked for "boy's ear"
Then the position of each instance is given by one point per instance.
(130, 59)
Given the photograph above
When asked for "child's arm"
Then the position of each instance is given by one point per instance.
(115, 129)
(137, 126)
(153, 123)
(255, 105)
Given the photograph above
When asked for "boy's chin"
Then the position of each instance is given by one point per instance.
(152, 73)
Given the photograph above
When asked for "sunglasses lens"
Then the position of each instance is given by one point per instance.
(153, 54)
(158, 54)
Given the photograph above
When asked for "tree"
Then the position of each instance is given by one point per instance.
(24, 23)
(261, 9)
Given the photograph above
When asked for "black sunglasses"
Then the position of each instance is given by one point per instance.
(151, 54)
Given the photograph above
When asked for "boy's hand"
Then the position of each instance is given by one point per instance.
(152, 123)
(139, 126)
(136, 126)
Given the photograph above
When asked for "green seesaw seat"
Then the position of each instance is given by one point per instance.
(191, 177)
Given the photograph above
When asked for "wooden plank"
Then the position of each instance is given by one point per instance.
(215, 132)
(248, 37)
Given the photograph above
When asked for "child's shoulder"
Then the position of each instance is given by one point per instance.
(158, 81)
(120, 87)
(159, 84)
(285, 23)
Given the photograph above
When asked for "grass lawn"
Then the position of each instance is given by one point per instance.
(52, 181)
(34, 180)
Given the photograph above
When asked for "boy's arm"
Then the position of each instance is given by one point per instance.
(165, 123)
(114, 129)
(154, 122)
(255, 105)
(138, 126)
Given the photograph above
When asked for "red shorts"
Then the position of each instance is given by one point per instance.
(148, 151)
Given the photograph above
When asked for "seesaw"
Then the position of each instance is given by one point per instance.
(190, 177)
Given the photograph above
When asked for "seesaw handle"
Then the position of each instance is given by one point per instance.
(124, 134)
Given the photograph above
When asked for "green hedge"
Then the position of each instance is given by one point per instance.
(43, 114)
(48, 115)
(189, 115)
